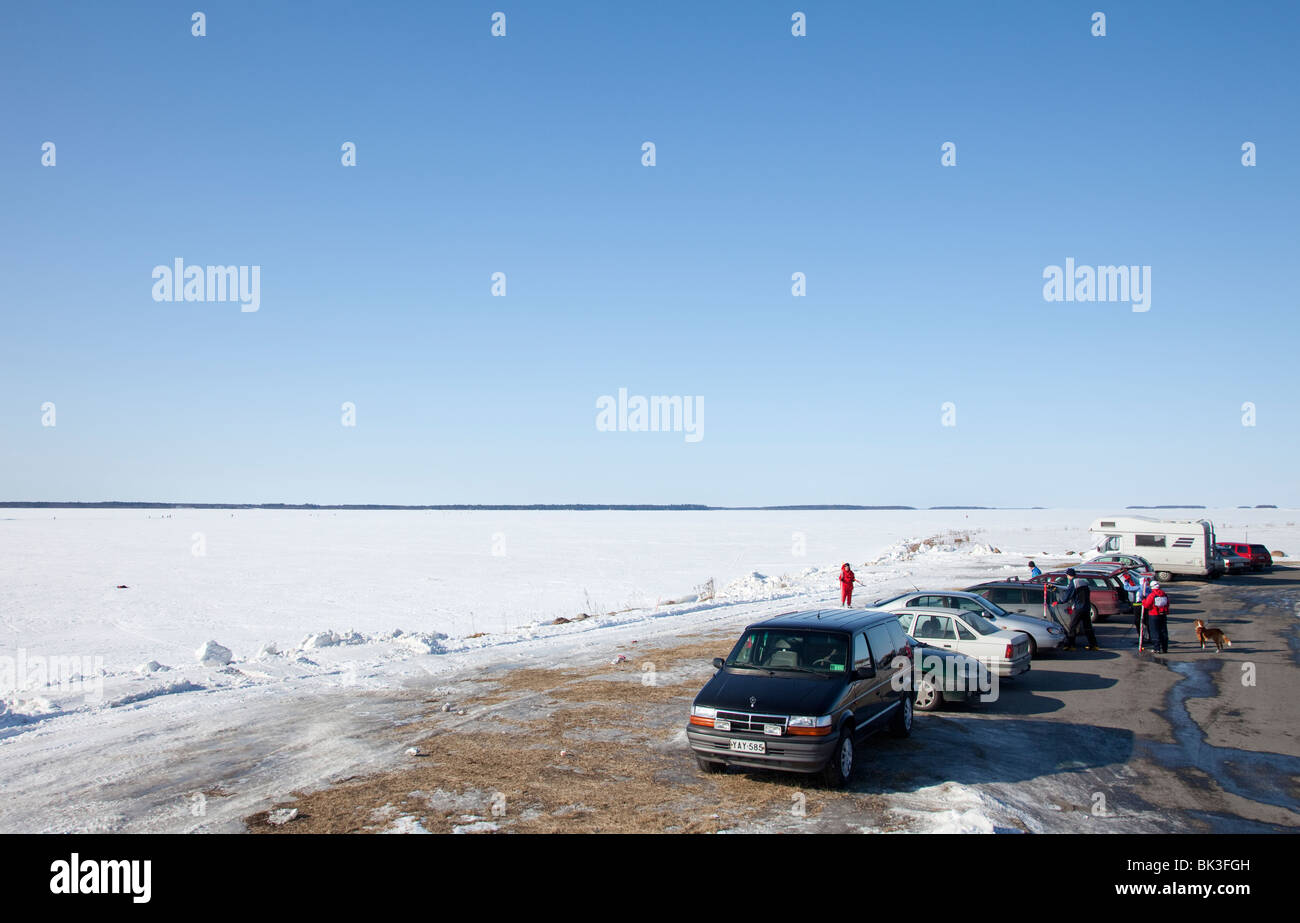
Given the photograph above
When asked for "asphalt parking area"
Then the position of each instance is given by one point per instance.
(1104, 741)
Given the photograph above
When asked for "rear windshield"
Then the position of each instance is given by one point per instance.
(795, 651)
(979, 623)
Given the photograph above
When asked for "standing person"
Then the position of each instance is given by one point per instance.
(1143, 588)
(1034, 571)
(1077, 595)
(847, 579)
(1156, 606)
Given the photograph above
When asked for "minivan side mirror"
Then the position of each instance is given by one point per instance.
(867, 671)
(718, 663)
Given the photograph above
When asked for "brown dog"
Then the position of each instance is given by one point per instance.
(1216, 635)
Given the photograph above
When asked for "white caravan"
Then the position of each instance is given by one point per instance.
(1173, 546)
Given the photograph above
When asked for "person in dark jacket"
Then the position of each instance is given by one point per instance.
(1077, 597)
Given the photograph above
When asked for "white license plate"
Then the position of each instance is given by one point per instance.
(749, 746)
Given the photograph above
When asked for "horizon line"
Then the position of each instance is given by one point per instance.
(543, 507)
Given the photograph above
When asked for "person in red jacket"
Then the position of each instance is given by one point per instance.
(846, 585)
(1156, 608)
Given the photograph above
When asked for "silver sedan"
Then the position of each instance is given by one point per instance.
(1043, 634)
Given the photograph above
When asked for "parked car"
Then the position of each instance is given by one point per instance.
(1127, 580)
(954, 676)
(1233, 562)
(1004, 652)
(1133, 562)
(1107, 593)
(800, 691)
(1254, 559)
(1015, 595)
(1044, 634)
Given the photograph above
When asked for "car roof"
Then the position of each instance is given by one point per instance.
(966, 593)
(827, 619)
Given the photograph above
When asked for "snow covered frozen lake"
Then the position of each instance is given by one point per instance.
(312, 602)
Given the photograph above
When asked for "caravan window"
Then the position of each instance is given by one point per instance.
(1149, 541)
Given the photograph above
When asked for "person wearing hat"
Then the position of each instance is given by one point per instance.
(1143, 590)
(1077, 597)
(847, 579)
(1156, 607)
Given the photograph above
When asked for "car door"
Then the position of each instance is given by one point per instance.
(936, 629)
(866, 703)
(883, 651)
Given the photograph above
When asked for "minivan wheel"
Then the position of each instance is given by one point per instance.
(928, 696)
(1164, 576)
(709, 766)
(839, 768)
(901, 725)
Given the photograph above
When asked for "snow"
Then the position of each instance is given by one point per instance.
(251, 641)
(212, 654)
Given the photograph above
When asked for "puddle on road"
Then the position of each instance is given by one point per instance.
(1265, 778)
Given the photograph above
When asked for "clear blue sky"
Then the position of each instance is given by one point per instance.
(775, 154)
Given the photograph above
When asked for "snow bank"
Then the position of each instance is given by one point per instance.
(213, 654)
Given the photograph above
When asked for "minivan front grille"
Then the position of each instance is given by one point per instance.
(748, 721)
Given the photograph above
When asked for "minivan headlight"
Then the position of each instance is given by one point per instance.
(808, 724)
(702, 716)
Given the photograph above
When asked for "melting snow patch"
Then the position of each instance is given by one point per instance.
(407, 823)
(950, 808)
(281, 816)
(480, 826)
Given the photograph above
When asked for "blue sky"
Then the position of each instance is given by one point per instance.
(775, 154)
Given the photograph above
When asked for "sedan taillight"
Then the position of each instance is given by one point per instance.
(1007, 655)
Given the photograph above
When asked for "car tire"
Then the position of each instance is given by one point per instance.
(901, 724)
(710, 766)
(1033, 646)
(928, 696)
(839, 768)
(1164, 576)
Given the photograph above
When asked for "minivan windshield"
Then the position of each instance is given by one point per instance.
(797, 651)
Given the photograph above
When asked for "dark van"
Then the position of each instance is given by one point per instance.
(798, 692)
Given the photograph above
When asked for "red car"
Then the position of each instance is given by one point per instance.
(1257, 555)
(1108, 594)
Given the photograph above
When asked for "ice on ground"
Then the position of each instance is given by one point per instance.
(172, 688)
(407, 823)
(281, 816)
(478, 826)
